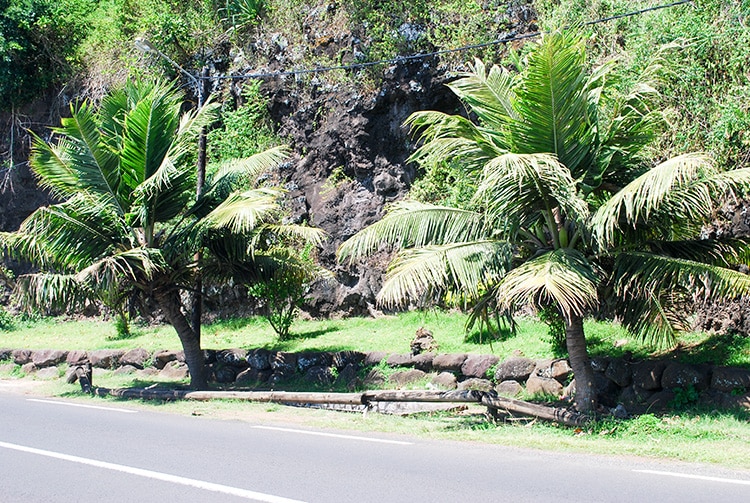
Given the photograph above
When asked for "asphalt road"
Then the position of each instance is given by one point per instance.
(52, 450)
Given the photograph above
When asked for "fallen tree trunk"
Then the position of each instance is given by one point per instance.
(368, 398)
(556, 414)
(422, 396)
(252, 396)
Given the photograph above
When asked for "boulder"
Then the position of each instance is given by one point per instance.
(48, 357)
(280, 375)
(77, 357)
(450, 362)
(224, 373)
(619, 372)
(680, 375)
(283, 363)
(509, 388)
(47, 373)
(561, 371)
(730, 379)
(105, 358)
(137, 358)
(306, 361)
(423, 342)
(606, 390)
(398, 360)
(478, 365)
(423, 361)
(374, 379)
(125, 370)
(21, 356)
(28, 368)
(406, 377)
(515, 369)
(474, 383)
(252, 377)
(374, 358)
(174, 370)
(342, 359)
(259, 359)
(162, 357)
(319, 376)
(600, 364)
(659, 401)
(347, 377)
(5, 354)
(7, 368)
(147, 373)
(647, 374)
(445, 380)
(233, 357)
(536, 385)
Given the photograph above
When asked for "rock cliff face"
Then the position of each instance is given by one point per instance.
(350, 162)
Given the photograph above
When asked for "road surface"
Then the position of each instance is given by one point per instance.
(52, 450)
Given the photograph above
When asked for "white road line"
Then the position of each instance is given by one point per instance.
(334, 435)
(175, 479)
(696, 477)
(71, 404)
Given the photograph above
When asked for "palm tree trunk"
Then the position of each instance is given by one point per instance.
(169, 302)
(585, 398)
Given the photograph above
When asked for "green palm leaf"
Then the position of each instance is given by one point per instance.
(635, 203)
(432, 270)
(488, 93)
(561, 277)
(242, 212)
(410, 223)
(554, 103)
(514, 186)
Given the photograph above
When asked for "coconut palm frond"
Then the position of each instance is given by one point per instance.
(656, 320)
(639, 273)
(70, 234)
(136, 265)
(250, 168)
(242, 212)
(514, 184)
(722, 253)
(410, 223)
(554, 102)
(488, 93)
(636, 202)
(561, 277)
(445, 137)
(164, 194)
(294, 233)
(432, 270)
(49, 292)
(149, 131)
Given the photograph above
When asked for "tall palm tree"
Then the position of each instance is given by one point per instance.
(565, 204)
(129, 221)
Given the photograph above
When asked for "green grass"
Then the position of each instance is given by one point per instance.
(391, 334)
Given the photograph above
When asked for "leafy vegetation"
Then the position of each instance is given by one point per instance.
(129, 224)
(565, 204)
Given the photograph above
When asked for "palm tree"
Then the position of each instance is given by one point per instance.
(129, 221)
(565, 205)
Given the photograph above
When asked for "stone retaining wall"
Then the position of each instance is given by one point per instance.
(639, 386)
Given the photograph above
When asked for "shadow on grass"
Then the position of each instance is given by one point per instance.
(730, 349)
(487, 337)
(293, 339)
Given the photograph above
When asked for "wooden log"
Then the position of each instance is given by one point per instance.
(84, 374)
(423, 396)
(555, 414)
(253, 396)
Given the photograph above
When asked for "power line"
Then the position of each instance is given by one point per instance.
(425, 55)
